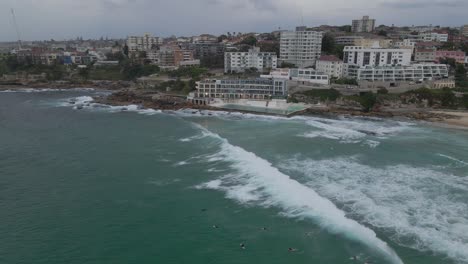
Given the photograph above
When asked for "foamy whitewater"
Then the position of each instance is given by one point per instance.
(395, 191)
(258, 181)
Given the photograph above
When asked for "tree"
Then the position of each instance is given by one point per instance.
(328, 44)
(250, 40)
(382, 33)
(367, 101)
(84, 73)
(461, 79)
(447, 98)
(345, 28)
(125, 50)
(382, 90)
(287, 65)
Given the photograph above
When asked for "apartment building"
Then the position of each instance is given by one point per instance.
(374, 43)
(362, 56)
(458, 56)
(303, 76)
(205, 39)
(260, 88)
(301, 47)
(330, 65)
(204, 50)
(363, 25)
(242, 61)
(425, 55)
(464, 30)
(414, 73)
(143, 43)
(173, 55)
(434, 36)
(347, 40)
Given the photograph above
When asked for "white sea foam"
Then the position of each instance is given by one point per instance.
(354, 130)
(419, 208)
(42, 90)
(87, 102)
(257, 181)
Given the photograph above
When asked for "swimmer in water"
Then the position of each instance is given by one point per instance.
(264, 228)
(292, 249)
(215, 226)
(242, 245)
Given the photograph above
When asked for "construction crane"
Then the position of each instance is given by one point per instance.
(16, 28)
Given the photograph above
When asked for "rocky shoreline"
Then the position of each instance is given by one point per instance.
(101, 85)
(158, 101)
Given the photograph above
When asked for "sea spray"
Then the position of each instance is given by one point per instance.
(422, 208)
(256, 179)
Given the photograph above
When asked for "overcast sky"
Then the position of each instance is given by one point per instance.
(63, 19)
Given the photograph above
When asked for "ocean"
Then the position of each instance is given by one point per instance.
(118, 185)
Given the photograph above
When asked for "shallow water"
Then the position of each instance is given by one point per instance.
(126, 185)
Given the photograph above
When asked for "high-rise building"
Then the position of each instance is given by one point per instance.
(464, 30)
(363, 25)
(241, 61)
(143, 43)
(362, 56)
(301, 47)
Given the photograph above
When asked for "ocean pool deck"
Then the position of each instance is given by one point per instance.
(286, 111)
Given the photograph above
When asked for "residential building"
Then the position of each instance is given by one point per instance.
(153, 56)
(205, 50)
(421, 29)
(173, 55)
(405, 44)
(435, 36)
(374, 43)
(205, 39)
(303, 76)
(458, 56)
(376, 57)
(363, 25)
(260, 88)
(414, 73)
(301, 47)
(241, 61)
(425, 55)
(330, 65)
(143, 43)
(464, 30)
(347, 40)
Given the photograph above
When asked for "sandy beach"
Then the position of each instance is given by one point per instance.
(460, 119)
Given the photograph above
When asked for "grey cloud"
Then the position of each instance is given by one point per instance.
(404, 4)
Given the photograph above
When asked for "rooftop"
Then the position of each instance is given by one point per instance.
(329, 58)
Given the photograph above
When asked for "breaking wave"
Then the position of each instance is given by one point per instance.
(354, 130)
(87, 102)
(420, 208)
(256, 180)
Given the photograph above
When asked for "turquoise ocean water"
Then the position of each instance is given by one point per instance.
(124, 185)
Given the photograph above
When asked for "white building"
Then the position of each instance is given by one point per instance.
(363, 25)
(299, 75)
(330, 65)
(434, 36)
(143, 43)
(153, 56)
(415, 73)
(301, 47)
(376, 57)
(260, 88)
(241, 61)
